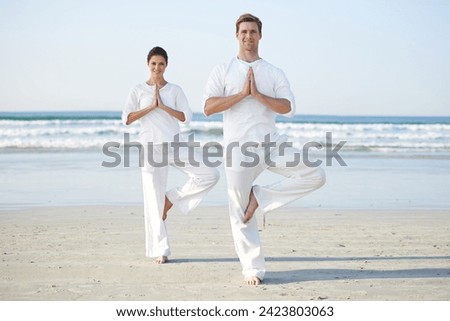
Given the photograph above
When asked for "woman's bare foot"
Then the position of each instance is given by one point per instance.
(161, 259)
(251, 207)
(167, 206)
(252, 280)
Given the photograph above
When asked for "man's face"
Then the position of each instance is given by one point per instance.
(248, 35)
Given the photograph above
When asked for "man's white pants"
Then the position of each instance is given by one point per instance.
(185, 198)
(299, 181)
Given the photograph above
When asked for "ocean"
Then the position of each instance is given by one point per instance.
(55, 158)
(65, 131)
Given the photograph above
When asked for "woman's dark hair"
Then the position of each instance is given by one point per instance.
(157, 51)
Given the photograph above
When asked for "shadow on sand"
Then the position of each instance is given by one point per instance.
(320, 274)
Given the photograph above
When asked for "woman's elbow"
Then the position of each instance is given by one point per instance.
(130, 120)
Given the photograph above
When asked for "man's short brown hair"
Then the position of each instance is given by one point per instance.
(247, 17)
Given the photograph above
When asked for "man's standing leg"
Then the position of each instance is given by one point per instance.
(246, 236)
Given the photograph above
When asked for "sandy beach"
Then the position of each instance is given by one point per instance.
(97, 253)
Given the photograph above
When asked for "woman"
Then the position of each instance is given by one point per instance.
(159, 106)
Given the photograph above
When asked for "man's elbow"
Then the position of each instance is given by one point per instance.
(207, 110)
(285, 111)
(286, 107)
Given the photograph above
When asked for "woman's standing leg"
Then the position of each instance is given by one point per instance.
(154, 182)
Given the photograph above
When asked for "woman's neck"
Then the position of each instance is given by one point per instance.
(156, 81)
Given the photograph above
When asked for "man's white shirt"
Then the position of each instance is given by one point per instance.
(249, 120)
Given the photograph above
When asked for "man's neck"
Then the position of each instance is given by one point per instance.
(248, 56)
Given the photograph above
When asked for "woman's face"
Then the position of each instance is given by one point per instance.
(157, 65)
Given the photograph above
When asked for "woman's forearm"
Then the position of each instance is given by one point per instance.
(135, 115)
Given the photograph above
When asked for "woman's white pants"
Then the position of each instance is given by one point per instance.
(201, 180)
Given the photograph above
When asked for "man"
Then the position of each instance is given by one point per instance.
(251, 92)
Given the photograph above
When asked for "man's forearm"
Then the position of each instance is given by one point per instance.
(278, 105)
(216, 105)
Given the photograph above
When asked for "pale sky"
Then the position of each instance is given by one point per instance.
(351, 57)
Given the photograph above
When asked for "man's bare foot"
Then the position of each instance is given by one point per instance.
(252, 280)
(251, 207)
(167, 206)
(161, 259)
